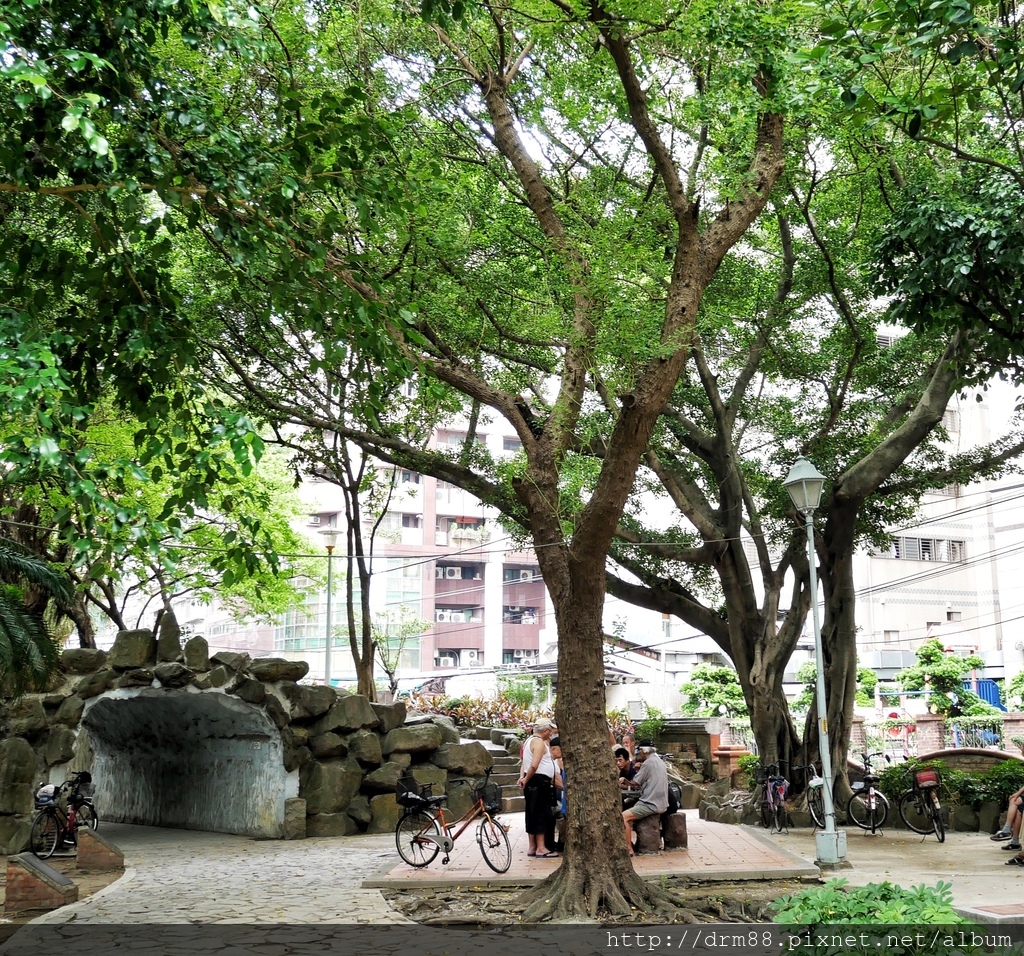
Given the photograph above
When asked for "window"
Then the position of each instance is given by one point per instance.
(927, 549)
(512, 614)
(512, 444)
(954, 615)
(410, 477)
(666, 625)
(951, 420)
(412, 521)
(884, 341)
(890, 637)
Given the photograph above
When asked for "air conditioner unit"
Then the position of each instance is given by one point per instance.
(517, 653)
(453, 572)
(438, 572)
(442, 616)
(529, 655)
(471, 655)
(525, 575)
(444, 661)
(314, 519)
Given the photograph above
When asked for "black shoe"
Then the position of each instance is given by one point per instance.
(1015, 861)
(1011, 846)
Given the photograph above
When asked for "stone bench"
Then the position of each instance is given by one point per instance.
(652, 830)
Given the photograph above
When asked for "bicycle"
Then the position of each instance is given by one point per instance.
(815, 786)
(424, 830)
(773, 797)
(868, 808)
(921, 802)
(53, 827)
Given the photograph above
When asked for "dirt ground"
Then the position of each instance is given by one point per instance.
(88, 883)
(741, 902)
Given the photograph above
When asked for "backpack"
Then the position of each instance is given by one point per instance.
(675, 796)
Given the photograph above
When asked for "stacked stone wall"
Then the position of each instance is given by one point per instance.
(176, 737)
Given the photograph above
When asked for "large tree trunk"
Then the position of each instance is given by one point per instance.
(835, 547)
(596, 872)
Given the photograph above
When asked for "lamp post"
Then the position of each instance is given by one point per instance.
(330, 539)
(804, 484)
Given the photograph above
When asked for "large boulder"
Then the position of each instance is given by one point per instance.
(218, 676)
(132, 649)
(14, 834)
(231, 660)
(168, 641)
(385, 813)
(308, 700)
(251, 691)
(136, 677)
(83, 660)
(27, 717)
(92, 685)
(449, 732)
(330, 825)
(196, 654)
(60, 746)
(359, 810)
(364, 745)
(385, 777)
(294, 819)
(172, 674)
(272, 669)
(469, 759)
(17, 775)
(417, 738)
(331, 784)
(328, 745)
(350, 712)
(70, 711)
(389, 715)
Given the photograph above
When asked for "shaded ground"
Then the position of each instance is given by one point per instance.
(741, 902)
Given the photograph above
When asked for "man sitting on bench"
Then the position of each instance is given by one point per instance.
(652, 782)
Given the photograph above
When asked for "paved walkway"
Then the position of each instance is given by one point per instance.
(715, 852)
(191, 877)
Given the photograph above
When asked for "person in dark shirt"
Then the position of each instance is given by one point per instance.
(624, 765)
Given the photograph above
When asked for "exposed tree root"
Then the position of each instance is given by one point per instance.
(574, 891)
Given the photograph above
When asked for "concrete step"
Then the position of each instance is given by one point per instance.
(506, 781)
(514, 804)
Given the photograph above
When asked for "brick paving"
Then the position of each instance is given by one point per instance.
(716, 851)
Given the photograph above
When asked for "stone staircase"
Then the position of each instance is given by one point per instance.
(505, 774)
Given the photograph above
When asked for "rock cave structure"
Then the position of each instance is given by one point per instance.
(175, 737)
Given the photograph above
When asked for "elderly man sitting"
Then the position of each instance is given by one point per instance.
(652, 781)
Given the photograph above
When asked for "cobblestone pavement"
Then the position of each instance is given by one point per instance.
(187, 876)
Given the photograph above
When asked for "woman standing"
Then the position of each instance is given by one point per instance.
(536, 781)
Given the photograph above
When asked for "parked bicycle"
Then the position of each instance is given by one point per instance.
(424, 829)
(814, 789)
(868, 807)
(53, 826)
(920, 807)
(774, 788)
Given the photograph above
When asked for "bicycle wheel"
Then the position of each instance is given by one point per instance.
(935, 811)
(862, 814)
(86, 817)
(494, 845)
(914, 815)
(767, 814)
(816, 806)
(409, 838)
(46, 835)
(780, 817)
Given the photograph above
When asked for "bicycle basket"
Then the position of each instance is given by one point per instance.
(491, 795)
(47, 795)
(409, 793)
(926, 779)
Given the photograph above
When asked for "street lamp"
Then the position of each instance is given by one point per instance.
(804, 484)
(330, 539)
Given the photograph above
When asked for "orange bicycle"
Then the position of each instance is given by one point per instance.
(424, 830)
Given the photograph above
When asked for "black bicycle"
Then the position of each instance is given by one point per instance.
(868, 808)
(815, 790)
(920, 807)
(774, 788)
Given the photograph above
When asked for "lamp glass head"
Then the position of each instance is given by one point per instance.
(804, 484)
(330, 536)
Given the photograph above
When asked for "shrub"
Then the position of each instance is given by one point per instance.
(748, 765)
(501, 711)
(959, 786)
(875, 904)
